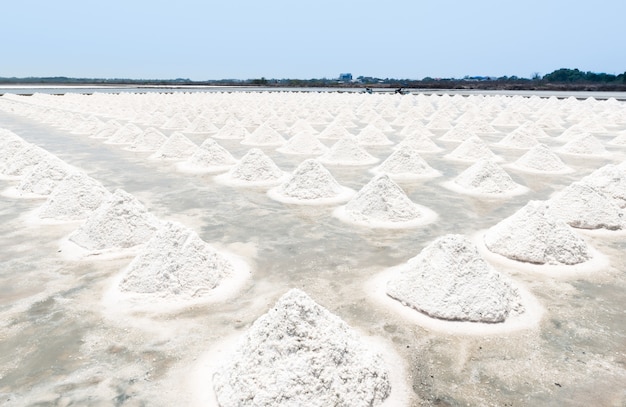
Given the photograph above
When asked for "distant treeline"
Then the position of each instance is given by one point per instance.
(561, 79)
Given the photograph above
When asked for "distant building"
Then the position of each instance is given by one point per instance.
(345, 77)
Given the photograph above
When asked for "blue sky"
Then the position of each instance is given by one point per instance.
(204, 39)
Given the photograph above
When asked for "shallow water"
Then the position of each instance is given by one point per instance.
(57, 347)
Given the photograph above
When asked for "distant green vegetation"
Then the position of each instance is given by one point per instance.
(565, 75)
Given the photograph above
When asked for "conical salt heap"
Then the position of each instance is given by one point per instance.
(303, 144)
(472, 150)
(25, 159)
(519, 138)
(9, 146)
(458, 133)
(150, 139)
(310, 183)
(619, 140)
(334, 131)
(176, 263)
(177, 122)
(119, 222)
(406, 163)
(74, 198)
(209, 157)
(201, 125)
(611, 181)
(450, 280)
(584, 144)
(232, 130)
(371, 135)
(264, 135)
(300, 354)
(347, 152)
(543, 160)
(107, 129)
(126, 134)
(382, 202)
(532, 235)
(254, 168)
(487, 177)
(418, 142)
(582, 206)
(44, 177)
(176, 147)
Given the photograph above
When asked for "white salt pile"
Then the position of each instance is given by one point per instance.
(582, 206)
(176, 147)
(611, 181)
(541, 159)
(209, 157)
(201, 125)
(381, 203)
(619, 140)
(458, 133)
(119, 222)
(485, 178)
(176, 263)
(177, 122)
(520, 138)
(300, 354)
(311, 184)
(43, 177)
(76, 196)
(107, 129)
(532, 235)
(472, 150)
(334, 131)
(150, 139)
(406, 164)
(264, 135)
(25, 159)
(126, 134)
(232, 130)
(303, 143)
(9, 146)
(371, 135)
(420, 143)
(347, 151)
(584, 144)
(254, 169)
(450, 280)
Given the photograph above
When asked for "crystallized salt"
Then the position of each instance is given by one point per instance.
(541, 159)
(126, 134)
(177, 122)
(371, 135)
(254, 168)
(119, 222)
(382, 203)
(611, 181)
(450, 280)
(74, 198)
(300, 354)
(44, 177)
(232, 130)
(176, 147)
(584, 144)
(303, 143)
(582, 206)
(201, 125)
(406, 163)
(150, 139)
(418, 142)
(347, 151)
(488, 178)
(176, 263)
(24, 159)
(310, 183)
(334, 131)
(519, 138)
(532, 235)
(209, 157)
(264, 135)
(472, 150)
(458, 133)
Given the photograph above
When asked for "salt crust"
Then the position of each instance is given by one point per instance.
(532, 235)
(471, 150)
(487, 179)
(541, 160)
(210, 157)
(347, 151)
(611, 181)
(175, 269)
(120, 222)
(311, 184)
(254, 169)
(381, 203)
(300, 354)
(406, 164)
(176, 147)
(264, 135)
(449, 280)
(584, 207)
(303, 143)
(76, 196)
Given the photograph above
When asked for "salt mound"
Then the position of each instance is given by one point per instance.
(582, 206)
(44, 177)
(176, 263)
(150, 139)
(519, 138)
(458, 133)
(126, 134)
(449, 280)
(532, 235)
(177, 122)
(381, 203)
(107, 129)
(209, 157)
(201, 125)
(471, 150)
(486, 177)
(232, 130)
(347, 152)
(119, 222)
(303, 144)
(541, 159)
(264, 135)
(24, 159)
(310, 183)
(176, 147)
(254, 169)
(334, 131)
(584, 144)
(76, 196)
(420, 143)
(8, 148)
(619, 140)
(372, 136)
(611, 181)
(406, 164)
(300, 354)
